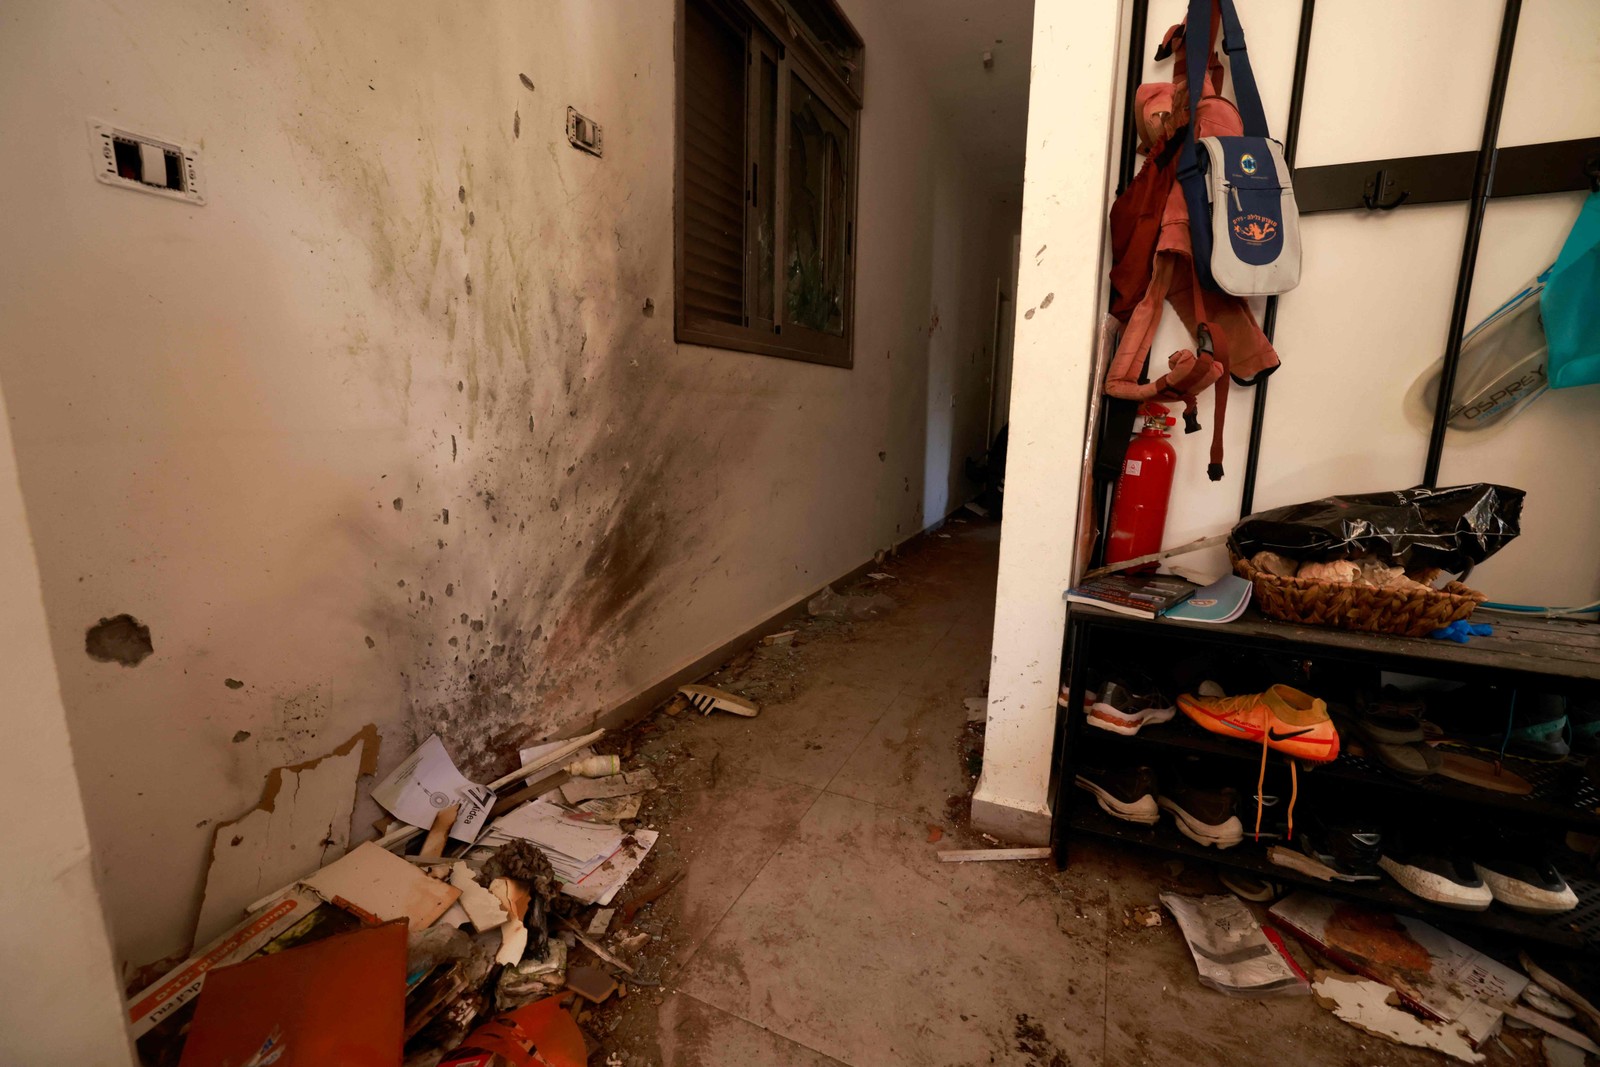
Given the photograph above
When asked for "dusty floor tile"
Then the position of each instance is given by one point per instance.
(695, 1034)
(857, 942)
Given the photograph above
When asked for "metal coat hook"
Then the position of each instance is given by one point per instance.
(1381, 185)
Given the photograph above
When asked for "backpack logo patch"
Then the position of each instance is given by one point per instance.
(1254, 229)
(1247, 163)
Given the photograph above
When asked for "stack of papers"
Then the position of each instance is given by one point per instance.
(591, 860)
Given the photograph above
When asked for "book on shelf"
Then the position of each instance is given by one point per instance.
(1142, 595)
(1222, 601)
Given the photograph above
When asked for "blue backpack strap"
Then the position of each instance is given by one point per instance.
(1244, 80)
(1197, 50)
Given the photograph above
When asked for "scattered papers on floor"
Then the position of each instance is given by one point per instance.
(1230, 950)
(1433, 973)
(592, 860)
(427, 783)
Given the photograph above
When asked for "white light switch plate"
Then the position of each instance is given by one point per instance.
(152, 152)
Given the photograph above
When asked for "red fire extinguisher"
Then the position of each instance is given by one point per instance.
(1139, 508)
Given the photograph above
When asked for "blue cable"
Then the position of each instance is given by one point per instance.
(1527, 609)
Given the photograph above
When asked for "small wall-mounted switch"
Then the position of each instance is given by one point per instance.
(136, 161)
(584, 133)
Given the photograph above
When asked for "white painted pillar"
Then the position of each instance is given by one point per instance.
(1070, 149)
(60, 1001)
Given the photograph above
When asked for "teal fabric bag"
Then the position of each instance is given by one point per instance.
(1570, 304)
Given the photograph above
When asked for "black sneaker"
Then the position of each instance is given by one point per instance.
(1124, 706)
(1435, 873)
(1206, 816)
(1127, 793)
(1351, 847)
(1521, 876)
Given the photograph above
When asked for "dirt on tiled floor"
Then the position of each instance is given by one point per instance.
(814, 924)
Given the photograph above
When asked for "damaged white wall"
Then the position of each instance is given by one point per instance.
(382, 433)
(60, 1001)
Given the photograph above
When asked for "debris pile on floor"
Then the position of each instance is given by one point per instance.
(1391, 976)
(497, 933)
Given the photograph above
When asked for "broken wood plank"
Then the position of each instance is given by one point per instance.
(301, 822)
(1550, 1026)
(649, 896)
(594, 946)
(976, 855)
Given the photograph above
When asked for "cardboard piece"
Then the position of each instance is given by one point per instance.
(483, 909)
(150, 1006)
(301, 822)
(340, 1000)
(378, 885)
(1433, 973)
(1371, 1006)
(615, 785)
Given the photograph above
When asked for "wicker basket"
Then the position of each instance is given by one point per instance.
(1409, 612)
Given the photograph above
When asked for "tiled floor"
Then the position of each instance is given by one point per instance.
(816, 926)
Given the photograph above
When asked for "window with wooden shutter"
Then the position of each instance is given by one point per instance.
(768, 93)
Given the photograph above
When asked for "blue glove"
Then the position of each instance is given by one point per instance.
(1461, 631)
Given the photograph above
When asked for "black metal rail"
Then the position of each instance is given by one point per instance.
(1269, 320)
(1482, 182)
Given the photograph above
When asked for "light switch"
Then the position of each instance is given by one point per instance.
(137, 161)
(154, 158)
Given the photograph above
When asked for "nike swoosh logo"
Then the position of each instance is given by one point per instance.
(1276, 736)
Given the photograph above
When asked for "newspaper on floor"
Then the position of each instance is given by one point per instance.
(1231, 950)
(427, 783)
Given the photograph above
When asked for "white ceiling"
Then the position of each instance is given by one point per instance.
(988, 109)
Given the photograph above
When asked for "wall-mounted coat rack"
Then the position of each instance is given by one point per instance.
(1384, 185)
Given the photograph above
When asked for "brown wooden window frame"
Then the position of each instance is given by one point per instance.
(786, 34)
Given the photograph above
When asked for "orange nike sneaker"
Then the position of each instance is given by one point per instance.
(1283, 718)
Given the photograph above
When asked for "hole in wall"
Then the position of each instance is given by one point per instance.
(120, 639)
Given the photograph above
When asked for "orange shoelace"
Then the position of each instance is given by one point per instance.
(1261, 785)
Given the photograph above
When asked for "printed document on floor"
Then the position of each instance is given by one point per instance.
(427, 783)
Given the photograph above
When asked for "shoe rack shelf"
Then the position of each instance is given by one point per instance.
(1558, 653)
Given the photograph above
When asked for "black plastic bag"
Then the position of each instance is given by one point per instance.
(1451, 528)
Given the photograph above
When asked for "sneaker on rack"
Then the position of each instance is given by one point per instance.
(1583, 716)
(1205, 816)
(1283, 718)
(1127, 793)
(1123, 707)
(1529, 724)
(1351, 847)
(1521, 876)
(1434, 872)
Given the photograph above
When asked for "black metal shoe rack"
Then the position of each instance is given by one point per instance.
(1373, 185)
(1554, 654)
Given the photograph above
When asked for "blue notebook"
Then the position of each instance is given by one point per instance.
(1222, 601)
